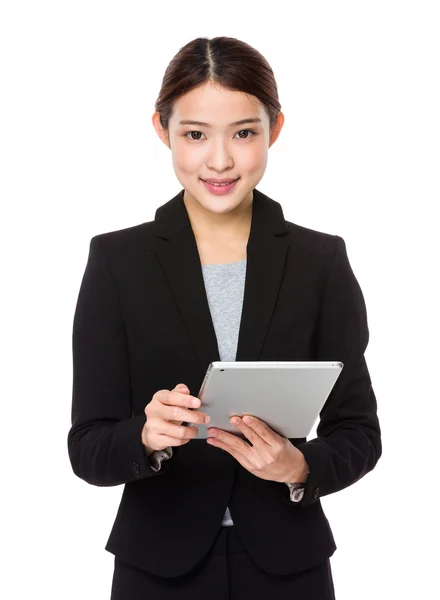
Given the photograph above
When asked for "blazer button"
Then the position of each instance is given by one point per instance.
(316, 493)
(137, 467)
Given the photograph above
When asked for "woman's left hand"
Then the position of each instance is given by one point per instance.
(271, 456)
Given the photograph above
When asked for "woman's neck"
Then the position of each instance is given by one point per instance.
(222, 229)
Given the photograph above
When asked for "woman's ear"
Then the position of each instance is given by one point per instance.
(276, 128)
(161, 132)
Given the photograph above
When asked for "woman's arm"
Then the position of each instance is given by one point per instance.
(104, 442)
(348, 443)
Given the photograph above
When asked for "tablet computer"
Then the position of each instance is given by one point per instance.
(287, 395)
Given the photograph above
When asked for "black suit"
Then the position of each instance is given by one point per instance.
(142, 323)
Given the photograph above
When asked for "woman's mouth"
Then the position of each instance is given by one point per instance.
(219, 189)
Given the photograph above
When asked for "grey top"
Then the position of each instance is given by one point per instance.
(224, 284)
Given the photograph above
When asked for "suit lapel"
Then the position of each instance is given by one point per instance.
(177, 252)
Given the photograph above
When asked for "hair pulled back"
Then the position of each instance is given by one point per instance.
(223, 61)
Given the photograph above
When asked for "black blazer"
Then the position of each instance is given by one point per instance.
(142, 324)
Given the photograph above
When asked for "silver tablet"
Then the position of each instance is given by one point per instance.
(287, 395)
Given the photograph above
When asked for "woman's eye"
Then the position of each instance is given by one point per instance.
(248, 131)
(189, 134)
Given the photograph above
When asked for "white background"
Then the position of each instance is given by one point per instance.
(358, 156)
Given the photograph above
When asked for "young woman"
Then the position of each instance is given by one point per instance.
(219, 274)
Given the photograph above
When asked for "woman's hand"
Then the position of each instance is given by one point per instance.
(271, 456)
(165, 414)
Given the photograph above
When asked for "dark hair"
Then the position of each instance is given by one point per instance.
(225, 61)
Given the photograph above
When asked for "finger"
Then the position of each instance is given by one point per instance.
(261, 430)
(167, 440)
(179, 432)
(177, 413)
(175, 398)
(182, 389)
(239, 455)
(231, 440)
(249, 433)
(187, 404)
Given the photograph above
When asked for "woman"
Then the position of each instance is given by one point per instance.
(218, 275)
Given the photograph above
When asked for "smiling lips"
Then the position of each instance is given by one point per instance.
(220, 188)
(219, 181)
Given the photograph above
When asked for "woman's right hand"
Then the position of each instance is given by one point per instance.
(165, 414)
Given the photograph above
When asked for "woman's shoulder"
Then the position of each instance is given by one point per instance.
(312, 240)
(127, 233)
(122, 240)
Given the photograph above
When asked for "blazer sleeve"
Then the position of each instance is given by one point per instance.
(348, 443)
(104, 442)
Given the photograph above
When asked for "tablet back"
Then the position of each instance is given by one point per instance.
(287, 395)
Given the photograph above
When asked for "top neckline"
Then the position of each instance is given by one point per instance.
(222, 264)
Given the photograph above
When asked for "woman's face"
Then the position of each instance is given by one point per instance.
(218, 149)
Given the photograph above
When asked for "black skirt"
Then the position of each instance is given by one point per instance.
(225, 573)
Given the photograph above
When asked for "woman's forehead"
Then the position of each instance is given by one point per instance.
(214, 106)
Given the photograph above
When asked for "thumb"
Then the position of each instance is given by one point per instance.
(181, 387)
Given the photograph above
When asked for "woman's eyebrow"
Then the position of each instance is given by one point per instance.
(241, 122)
